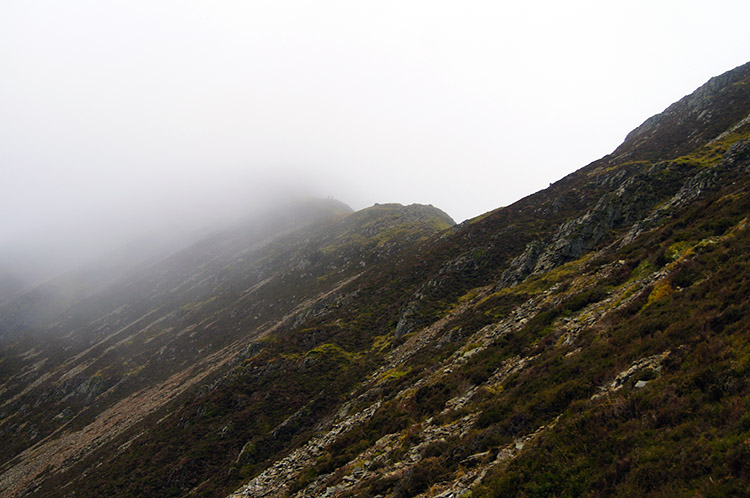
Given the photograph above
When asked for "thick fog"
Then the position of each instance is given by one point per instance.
(126, 118)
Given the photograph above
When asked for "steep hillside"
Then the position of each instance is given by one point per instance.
(591, 338)
(94, 370)
(588, 339)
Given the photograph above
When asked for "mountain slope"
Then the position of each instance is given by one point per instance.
(588, 339)
(110, 360)
(627, 272)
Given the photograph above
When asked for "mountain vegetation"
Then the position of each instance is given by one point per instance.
(589, 339)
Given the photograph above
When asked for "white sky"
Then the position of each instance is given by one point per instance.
(113, 112)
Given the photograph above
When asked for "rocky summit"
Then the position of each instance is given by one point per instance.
(589, 339)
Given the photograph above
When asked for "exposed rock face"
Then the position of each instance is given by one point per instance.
(406, 321)
(631, 198)
(632, 205)
(523, 265)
